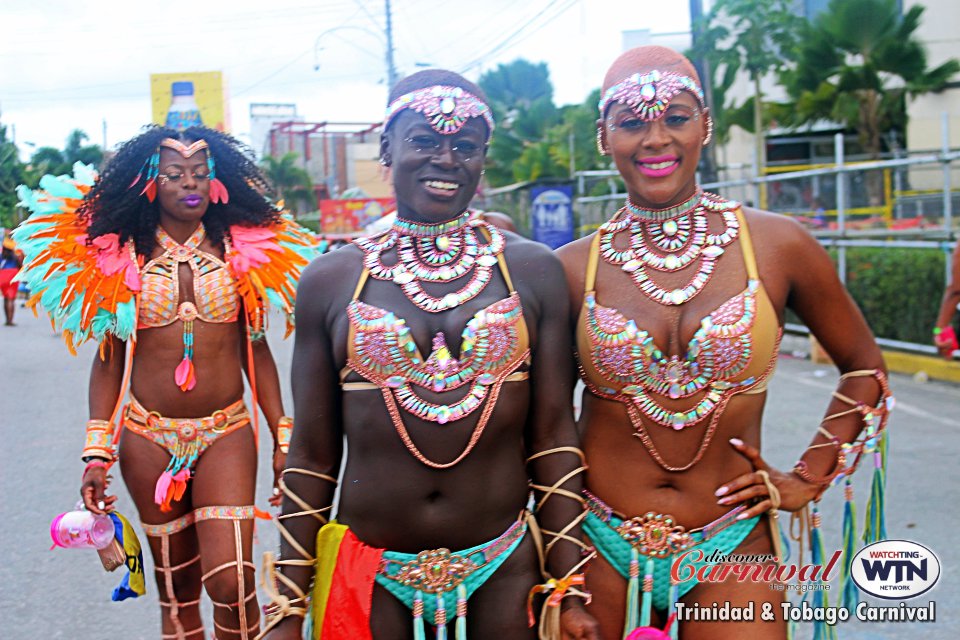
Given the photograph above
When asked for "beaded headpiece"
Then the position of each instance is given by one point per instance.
(218, 191)
(649, 94)
(447, 109)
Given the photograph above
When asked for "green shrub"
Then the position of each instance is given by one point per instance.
(898, 290)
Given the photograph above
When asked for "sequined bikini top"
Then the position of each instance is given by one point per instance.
(381, 349)
(214, 288)
(733, 351)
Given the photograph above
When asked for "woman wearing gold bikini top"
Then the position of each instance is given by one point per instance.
(678, 302)
(436, 351)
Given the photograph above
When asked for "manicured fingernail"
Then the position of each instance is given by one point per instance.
(742, 516)
(721, 491)
(101, 505)
(736, 442)
(723, 500)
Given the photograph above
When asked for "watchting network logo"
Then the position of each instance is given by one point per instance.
(895, 569)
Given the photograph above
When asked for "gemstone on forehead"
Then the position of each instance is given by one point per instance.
(447, 105)
(648, 92)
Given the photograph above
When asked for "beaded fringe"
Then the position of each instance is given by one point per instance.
(440, 617)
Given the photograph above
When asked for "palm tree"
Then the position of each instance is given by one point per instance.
(858, 62)
(291, 182)
(754, 36)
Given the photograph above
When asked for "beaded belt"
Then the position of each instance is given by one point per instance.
(441, 570)
(187, 428)
(657, 535)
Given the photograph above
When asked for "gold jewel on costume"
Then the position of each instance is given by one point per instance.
(382, 350)
(669, 240)
(215, 293)
(185, 439)
(284, 432)
(218, 192)
(648, 94)
(446, 109)
(619, 361)
(434, 253)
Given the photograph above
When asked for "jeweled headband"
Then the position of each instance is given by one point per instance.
(447, 109)
(218, 191)
(649, 94)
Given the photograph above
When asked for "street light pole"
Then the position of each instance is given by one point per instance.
(391, 67)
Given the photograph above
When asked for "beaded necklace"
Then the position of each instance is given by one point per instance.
(669, 240)
(441, 252)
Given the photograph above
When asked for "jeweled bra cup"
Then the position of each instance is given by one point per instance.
(619, 361)
(381, 349)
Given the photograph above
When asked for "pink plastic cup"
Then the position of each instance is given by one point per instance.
(81, 530)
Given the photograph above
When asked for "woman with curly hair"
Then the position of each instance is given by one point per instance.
(174, 254)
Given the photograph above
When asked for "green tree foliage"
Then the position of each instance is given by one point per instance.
(290, 181)
(11, 174)
(521, 97)
(857, 64)
(533, 136)
(898, 290)
(57, 162)
(750, 36)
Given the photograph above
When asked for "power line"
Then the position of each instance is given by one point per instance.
(511, 40)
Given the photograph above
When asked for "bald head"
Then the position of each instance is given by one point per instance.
(433, 77)
(648, 58)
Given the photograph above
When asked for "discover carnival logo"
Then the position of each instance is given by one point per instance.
(895, 569)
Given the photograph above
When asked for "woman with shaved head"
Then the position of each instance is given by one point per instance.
(445, 437)
(678, 302)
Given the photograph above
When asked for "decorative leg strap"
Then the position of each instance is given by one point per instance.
(571, 584)
(281, 605)
(235, 515)
(164, 532)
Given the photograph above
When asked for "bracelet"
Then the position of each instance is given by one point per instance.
(96, 463)
(99, 440)
(284, 432)
(937, 331)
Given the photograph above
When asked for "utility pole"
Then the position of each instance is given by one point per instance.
(391, 67)
(708, 159)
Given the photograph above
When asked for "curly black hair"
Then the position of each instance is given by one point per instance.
(112, 206)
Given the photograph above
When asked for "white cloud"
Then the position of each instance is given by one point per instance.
(67, 65)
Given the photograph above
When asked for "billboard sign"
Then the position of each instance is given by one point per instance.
(352, 216)
(180, 100)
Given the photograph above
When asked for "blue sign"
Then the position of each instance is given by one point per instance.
(551, 214)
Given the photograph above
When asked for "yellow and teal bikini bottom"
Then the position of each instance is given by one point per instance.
(434, 584)
(656, 537)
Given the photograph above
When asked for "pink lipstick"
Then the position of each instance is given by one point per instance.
(658, 166)
(192, 200)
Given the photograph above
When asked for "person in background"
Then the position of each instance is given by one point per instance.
(10, 261)
(944, 333)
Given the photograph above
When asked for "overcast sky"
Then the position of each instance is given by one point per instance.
(68, 64)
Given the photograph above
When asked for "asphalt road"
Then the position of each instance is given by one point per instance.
(65, 593)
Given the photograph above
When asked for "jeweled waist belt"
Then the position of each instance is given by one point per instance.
(221, 420)
(441, 570)
(656, 534)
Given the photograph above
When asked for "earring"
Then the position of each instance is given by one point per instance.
(383, 162)
(600, 148)
(709, 137)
